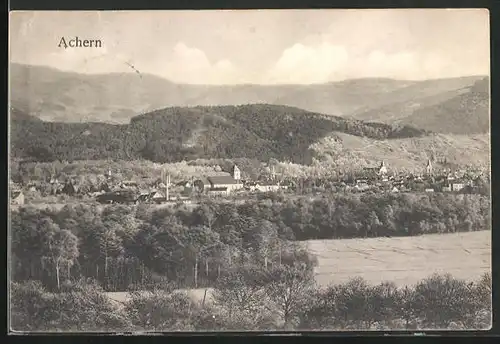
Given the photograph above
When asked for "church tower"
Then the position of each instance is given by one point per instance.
(383, 169)
(428, 168)
(236, 173)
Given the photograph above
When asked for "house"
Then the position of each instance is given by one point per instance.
(218, 191)
(380, 171)
(16, 197)
(120, 196)
(32, 186)
(457, 186)
(53, 181)
(157, 197)
(394, 189)
(219, 182)
(267, 187)
(128, 184)
(447, 188)
(228, 182)
(362, 186)
(429, 190)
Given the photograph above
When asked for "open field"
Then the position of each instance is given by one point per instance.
(403, 260)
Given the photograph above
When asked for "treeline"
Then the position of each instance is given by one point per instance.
(246, 298)
(122, 246)
(261, 131)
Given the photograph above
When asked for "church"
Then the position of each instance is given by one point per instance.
(222, 183)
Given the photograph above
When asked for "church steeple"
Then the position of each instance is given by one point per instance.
(383, 168)
(428, 168)
(236, 173)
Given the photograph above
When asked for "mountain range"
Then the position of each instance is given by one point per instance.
(454, 105)
(58, 115)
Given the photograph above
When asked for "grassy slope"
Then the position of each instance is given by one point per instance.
(404, 260)
(410, 153)
(61, 96)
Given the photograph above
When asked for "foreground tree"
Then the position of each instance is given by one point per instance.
(289, 288)
(442, 301)
(242, 300)
(161, 310)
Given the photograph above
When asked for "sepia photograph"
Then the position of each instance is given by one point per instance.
(249, 170)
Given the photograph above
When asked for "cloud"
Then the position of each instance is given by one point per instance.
(301, 64)
(191, 65)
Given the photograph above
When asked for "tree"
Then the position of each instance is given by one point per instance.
(29, 306)
(442, 300)
(161, 310)
(289, 288)
(240, 296)
(406, 310)
(62, 250)
(382, 304)
(372, 224)
(83, 306)
(352, 304)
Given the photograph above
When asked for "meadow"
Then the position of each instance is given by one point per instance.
(402, 260)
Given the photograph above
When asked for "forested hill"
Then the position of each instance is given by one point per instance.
(174, 134)
(461, 111)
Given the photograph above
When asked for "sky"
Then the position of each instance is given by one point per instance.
(260, 46)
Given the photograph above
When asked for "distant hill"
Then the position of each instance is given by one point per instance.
(464, 110)
(58, 96)
(258, 131)
(467, 113)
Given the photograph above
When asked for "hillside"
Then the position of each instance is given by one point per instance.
(464, 110)
(467, 113)
(59, 96)
(341, 149)
(174, 134)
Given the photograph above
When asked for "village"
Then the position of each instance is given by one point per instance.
(230, 184)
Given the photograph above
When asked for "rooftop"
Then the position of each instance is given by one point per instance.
(222, 180)
(218, 189)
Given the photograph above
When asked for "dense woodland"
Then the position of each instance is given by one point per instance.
(248, 298)
(123, 246)
(174, 134)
